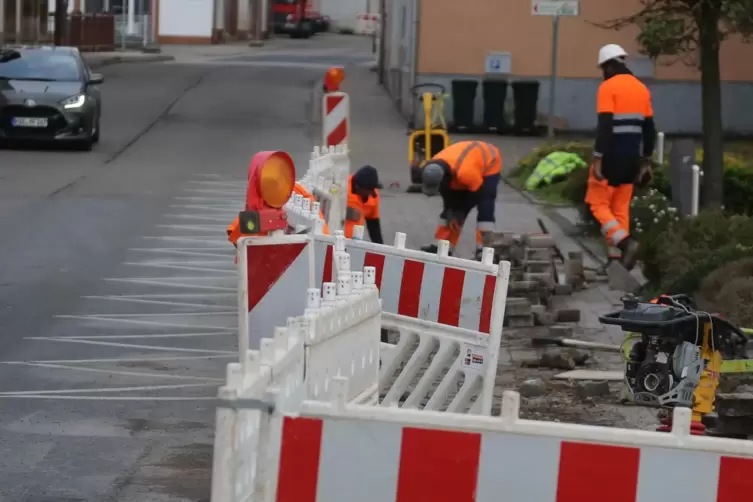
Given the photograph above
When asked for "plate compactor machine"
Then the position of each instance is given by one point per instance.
(673, 354)
(424, 143)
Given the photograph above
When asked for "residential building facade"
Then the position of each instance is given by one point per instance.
(443, 40)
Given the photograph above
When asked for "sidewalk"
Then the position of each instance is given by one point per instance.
(378, 137)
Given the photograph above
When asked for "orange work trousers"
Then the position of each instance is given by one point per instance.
(610, 205)
(452, 234)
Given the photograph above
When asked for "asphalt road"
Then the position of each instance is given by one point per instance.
(115, 274)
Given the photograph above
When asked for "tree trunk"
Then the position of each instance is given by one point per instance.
(711, 105)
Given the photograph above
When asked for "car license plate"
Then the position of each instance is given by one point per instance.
(29, 122)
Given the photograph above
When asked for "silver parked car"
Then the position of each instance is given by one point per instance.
(48, 94)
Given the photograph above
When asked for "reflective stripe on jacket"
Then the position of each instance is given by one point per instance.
(470, 162)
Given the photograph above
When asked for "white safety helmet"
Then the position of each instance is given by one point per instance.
(610, 52)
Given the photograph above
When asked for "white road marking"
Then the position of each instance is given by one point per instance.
(219, 183)
(176, 278)
(167, 314)
(195, 217)
(215, 201)
(162, 283)
(127, 359)
(168, 295)
(218, 209)
(216, 190)
(166, 376)
(226, 253)
(129, 345)
(198, 228)
(185, 238)
(147, 323)
(229, 272)
(159, 302)
(147, 388)
(226, 261)
(107, 398)
(149, 335)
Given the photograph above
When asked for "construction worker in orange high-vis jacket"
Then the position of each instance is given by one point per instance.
(625, 139)
(363, 204)
(234, 229)
(466, 174)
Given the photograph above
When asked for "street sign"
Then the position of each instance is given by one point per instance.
(498, 62)
(554, 7)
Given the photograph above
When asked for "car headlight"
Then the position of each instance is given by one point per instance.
(73, 102)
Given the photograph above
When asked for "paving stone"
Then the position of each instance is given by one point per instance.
(591, 389)
(560, 360)
(532, 388)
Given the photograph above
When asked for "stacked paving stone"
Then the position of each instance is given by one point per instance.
(535, 278)
(734, 415)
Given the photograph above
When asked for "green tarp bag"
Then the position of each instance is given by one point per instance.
(552, 168)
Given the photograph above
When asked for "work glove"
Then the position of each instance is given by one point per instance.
(596, 169)
(645, 175)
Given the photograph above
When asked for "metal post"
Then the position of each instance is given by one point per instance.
(660, 148)
(695, 190)
(144, 28)
(131, 17)
(553, 77)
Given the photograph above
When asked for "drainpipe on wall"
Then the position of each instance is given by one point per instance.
(2, 22)
(414, 62)
(18, 22)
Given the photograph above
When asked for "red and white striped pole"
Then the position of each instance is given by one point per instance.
(335, 110)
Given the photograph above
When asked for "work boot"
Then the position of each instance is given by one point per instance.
(433, 249)
(629, 248)
(479, 252)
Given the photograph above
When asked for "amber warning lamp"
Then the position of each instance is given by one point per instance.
(333, 79)
(271, 178)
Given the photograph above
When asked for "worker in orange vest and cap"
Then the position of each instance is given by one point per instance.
(466, 174)
(234, 229)
(363, 204)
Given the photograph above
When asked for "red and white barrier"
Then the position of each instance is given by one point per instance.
(274, 273)
(315, 451)
(336, 336)
(336, 118)
(437, 288)
(400, 455)
(367, 24)
(448, 311)
(327, 179)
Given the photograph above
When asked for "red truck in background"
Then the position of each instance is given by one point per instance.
(297, 18)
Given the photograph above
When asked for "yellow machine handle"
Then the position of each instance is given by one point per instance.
(428, 100)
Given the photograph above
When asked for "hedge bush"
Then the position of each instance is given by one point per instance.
(693, 240)
(738, 177)
(692, 280)
(732, 299)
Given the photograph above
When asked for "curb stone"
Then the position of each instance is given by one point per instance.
(109, 61)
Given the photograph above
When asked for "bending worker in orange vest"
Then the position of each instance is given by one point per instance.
(625, 140)
(234, 229)
(363, 204)
(466, 174)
